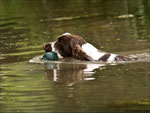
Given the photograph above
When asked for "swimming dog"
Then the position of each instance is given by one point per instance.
(75, 46)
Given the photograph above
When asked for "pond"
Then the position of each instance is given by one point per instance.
(69, 85)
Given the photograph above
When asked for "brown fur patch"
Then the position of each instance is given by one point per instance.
(122, 58)
(105, 57)
(47, 47)
(70, 46)
(78, 53)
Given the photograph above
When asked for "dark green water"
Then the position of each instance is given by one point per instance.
(116, 26)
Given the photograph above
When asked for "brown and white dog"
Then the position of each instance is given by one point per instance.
(69, 45)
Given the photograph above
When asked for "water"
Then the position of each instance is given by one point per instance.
(68, 85)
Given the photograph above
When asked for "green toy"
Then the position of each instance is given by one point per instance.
(50, 56)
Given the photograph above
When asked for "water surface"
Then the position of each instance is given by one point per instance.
(68, 85)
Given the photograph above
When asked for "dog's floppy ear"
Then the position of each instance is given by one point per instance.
(78, 53)
(47, 47)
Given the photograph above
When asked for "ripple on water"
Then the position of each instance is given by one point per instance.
(140, 57)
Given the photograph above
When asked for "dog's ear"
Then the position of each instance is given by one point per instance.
(47, 47)
(78, 53)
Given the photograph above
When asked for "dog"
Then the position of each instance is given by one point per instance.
(75, 46)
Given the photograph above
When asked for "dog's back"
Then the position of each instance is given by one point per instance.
(75, 46)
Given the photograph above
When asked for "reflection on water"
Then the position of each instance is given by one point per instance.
(72, 73)
(115, 26)
(72, 70)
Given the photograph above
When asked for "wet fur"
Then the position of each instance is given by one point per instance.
(47, 47)
(70, 46)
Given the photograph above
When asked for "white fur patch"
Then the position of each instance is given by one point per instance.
(66, 33)
(90, 68)
(111, 58)
(92, 51)
(52, 45)
(54, 50)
